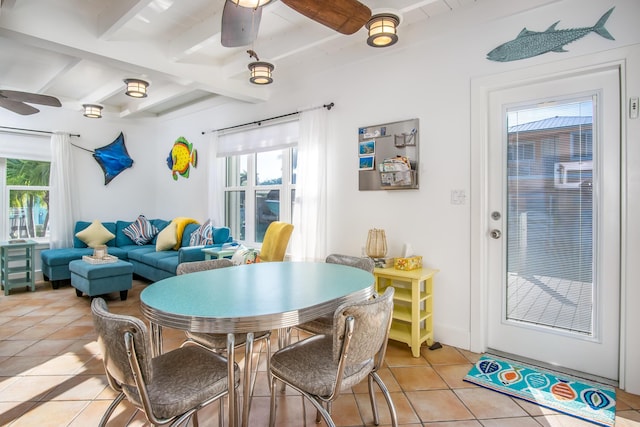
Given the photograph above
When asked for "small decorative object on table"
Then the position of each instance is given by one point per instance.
(376, 243)
(100, 256)
(409, 263)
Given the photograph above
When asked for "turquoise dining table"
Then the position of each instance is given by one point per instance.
(250, 298)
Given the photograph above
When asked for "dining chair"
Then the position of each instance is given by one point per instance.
(168, 389)
(322, 366)
(275, 242)
(324, 324)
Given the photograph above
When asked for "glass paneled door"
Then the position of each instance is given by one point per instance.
(554, 190)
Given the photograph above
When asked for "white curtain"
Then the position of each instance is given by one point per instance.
(216, 183)
(309, 241)
(61, 181)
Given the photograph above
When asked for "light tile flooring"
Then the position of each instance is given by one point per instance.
(51, 374)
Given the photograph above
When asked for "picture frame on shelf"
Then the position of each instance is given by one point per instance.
(366, 163)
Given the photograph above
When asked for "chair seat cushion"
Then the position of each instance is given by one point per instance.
(321, 325)
(219, 341)
(309, 366)
(182, 379)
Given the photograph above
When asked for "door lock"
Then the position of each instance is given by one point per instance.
(495, 234)
(495, 215)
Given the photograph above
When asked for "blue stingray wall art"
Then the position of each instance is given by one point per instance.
(113, 158)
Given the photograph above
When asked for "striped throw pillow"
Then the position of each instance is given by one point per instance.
(141, 231)
(203, 235)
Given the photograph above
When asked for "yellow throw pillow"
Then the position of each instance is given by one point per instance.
(167, 238)
(95, 234)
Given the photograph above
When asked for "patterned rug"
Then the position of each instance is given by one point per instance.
(589, 401)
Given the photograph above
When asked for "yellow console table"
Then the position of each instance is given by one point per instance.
(413, 304)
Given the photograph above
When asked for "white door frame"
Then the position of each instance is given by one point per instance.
(480, 89)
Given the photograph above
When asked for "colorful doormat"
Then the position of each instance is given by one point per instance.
(589, 401)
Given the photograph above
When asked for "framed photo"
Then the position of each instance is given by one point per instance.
(366, 163)
(367, 148)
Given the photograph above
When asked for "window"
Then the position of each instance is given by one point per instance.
(259, 189)
(25, 198)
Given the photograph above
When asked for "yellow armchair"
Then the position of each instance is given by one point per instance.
(276, 239)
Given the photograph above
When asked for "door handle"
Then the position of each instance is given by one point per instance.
(495, 234)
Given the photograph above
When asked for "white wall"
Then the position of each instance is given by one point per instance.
(430, 81)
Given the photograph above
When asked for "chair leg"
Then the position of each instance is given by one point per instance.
(372, 398)
(119, 398)
(272, 401)
(387, 397)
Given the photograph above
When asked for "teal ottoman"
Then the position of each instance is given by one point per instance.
(100, 279)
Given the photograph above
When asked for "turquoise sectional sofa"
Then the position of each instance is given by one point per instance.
(147, 262)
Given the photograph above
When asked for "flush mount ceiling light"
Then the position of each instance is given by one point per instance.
(260, 70)
(382, 30)
(92, 111)
(136, 88)
(250, 3)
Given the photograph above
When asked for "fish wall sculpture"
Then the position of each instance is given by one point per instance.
(181, 157)
(533, 43)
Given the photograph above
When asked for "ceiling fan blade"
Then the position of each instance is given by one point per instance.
(31, 98)
(17, 107)
(239, 25)
(344, 16)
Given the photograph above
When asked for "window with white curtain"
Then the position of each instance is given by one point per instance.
(260, 178)
(24, 186)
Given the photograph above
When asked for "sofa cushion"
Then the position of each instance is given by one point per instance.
(63, 256)
(81, 225)
(121, 238)
(167, 238)
(221, 235)
(149, 256)
(141, 231)
(186, 234)
(95, 234)
(202, 235)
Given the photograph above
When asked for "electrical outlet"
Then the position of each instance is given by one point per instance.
(633, 108)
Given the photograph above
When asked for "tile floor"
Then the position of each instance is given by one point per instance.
(51, 375)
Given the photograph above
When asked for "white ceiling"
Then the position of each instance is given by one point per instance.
(81, 50)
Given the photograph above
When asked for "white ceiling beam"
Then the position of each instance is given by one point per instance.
(198, 36)
(117, 15)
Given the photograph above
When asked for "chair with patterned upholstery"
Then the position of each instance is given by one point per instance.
(322, 366)
(275, 242)
(170, 388)
(324, 324)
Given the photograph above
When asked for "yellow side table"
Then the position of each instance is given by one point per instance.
(413, 304)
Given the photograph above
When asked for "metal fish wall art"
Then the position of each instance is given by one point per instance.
(533, 43)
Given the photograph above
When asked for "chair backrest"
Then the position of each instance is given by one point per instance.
(371, 320)
(111, 329)
(363, 263)
(210, 264)
(276, 239)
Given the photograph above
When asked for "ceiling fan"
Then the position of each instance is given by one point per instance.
(241, 18)
(18, 102)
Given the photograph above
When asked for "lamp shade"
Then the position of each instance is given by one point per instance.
(92, 111)
(382, 30)
(136, 88)
(261, 72)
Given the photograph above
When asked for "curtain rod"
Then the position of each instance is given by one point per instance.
(34, 130)
(259, 122)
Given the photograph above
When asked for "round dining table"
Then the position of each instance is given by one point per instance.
(249, 298)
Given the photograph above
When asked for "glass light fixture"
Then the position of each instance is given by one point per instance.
(251, 3)
(382, 30)
(261, 72)
(136, 88)
(92, 111)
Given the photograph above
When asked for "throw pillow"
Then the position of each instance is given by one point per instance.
(202, 236)
(95, 234)
(167, 238)
(181, 223)
(141, 231)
